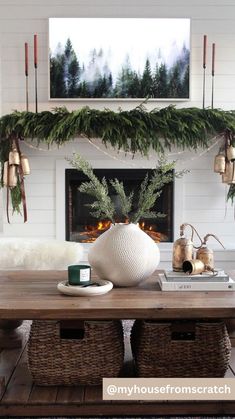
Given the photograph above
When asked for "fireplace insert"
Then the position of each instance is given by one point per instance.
(82, 227)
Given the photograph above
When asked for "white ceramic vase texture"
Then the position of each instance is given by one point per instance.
(124, 255)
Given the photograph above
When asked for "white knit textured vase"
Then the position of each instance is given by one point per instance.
(124, 255)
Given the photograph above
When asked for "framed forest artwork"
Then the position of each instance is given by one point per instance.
(119, 58)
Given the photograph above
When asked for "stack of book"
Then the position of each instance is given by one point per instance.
(179, 281)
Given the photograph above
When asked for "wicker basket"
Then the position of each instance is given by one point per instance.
(70, 353)
(180, 349)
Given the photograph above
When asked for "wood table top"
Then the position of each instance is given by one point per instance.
(34, 295)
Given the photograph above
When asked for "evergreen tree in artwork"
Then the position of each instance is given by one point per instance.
(185, 84)
(147, 81)
(124, 80)
(72, 69)
(57, 74)
(134, 89)
(174, 86)
(162, 82)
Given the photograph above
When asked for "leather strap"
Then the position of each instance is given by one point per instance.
(8, 194)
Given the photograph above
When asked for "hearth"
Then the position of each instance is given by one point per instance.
(83, 228)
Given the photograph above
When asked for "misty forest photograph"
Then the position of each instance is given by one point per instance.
(126, 58)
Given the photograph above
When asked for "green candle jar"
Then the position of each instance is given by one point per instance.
(79, 274)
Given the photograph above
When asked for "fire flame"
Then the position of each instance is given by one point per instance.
(91, 233)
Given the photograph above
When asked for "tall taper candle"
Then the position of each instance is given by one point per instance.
(35, 73)
(35, 51)
(204, 70)
(213, 60)
(204, 50)
(26, 56)
(212, 74)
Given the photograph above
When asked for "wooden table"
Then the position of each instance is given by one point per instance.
(33, 295)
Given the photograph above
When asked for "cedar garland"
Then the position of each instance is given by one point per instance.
(137, 130)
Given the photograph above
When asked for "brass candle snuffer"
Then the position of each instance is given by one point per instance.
(183, 253)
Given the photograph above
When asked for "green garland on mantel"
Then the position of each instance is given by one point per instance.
(136, 130)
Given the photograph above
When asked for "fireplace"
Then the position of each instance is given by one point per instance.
(83, 228)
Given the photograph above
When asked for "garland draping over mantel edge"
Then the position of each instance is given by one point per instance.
(137, 130)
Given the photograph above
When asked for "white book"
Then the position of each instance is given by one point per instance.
(167, 285)
(221, 276)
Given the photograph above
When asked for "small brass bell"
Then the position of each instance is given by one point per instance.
(205, 254)
(25, 165)
(14, 157)
(12, 179)
(219, 163)
(229, 175)
(230, 152)
(182, 250)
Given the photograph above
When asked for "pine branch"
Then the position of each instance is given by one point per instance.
(99, 190)
(126, 201)
(150, 190)
(231, 193)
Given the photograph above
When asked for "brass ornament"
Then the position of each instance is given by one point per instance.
(230, 153)
(193, 267)
(205, 254)
(25, 165)
(219, 163)
(229, 175)
(12, 178)
(14, 157)
(183, 248)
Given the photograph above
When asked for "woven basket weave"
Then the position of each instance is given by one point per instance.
(54, 360)
(180, 349)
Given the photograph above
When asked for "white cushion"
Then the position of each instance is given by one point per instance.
(18, 253)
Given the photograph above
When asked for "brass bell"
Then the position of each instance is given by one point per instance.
(25, 165)
(219, 163)
(14, 157)
(230, 152)
(193, 267)
(182, 250)
(205, 254)
(229, 175)
(12, 179)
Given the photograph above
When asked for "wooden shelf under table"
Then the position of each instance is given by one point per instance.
(21, 397)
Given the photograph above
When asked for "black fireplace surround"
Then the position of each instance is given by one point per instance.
(82, 227)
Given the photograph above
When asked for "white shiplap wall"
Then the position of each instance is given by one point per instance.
(202, 200)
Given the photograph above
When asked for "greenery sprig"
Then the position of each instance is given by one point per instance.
(150, 190)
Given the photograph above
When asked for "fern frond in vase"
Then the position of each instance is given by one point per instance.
(149, 192)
